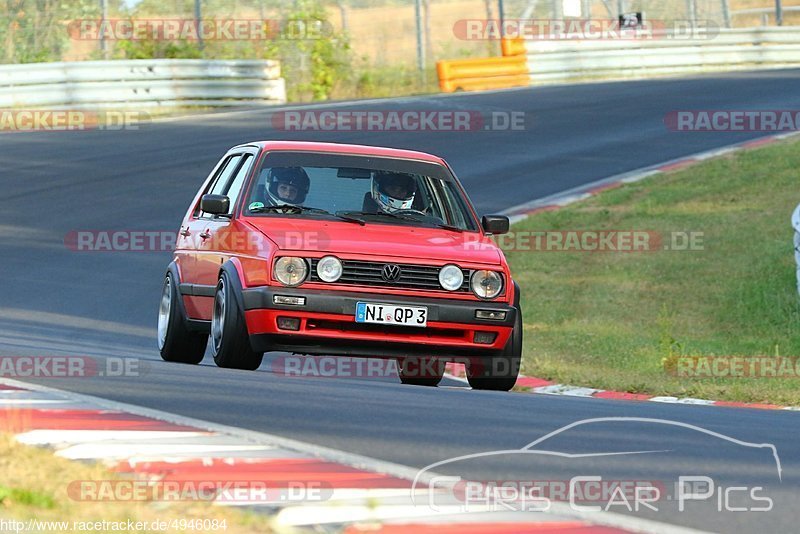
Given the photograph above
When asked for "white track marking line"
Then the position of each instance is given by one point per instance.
(50, 437)
(563, 389)
(16, 402)
(115, 451)
(681, 400)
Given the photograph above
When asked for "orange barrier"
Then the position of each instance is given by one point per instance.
(513, 47)
(482, 73)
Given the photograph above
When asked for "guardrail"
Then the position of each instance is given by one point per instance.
(482, 73)
(142, 83)
(766, 12)
(564, 60)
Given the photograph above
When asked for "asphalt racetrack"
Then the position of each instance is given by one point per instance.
(58, 301)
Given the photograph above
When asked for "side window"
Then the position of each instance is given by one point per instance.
(235, 188)
(221, 183)
(218, 184)
(454, 211)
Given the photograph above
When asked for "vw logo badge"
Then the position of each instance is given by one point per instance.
(391, 272)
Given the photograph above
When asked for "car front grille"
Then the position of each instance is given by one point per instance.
(369, 273)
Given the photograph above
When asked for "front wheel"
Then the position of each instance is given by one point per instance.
(498, 373)
(230, 343)
(176, 343)
(421, 371)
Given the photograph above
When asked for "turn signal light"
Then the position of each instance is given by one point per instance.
(288, 301)
(497, 315)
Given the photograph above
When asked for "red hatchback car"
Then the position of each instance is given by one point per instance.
(333, 249)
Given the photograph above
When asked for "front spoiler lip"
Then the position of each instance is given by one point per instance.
(344, 303)
(316, 346)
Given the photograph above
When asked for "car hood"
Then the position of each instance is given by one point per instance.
(408, 242)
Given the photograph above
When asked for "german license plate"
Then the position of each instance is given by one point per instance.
(368, 312)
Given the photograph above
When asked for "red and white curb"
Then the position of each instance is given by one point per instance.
(559, 200)
(546, 387)
(570, 196)
(364, 494)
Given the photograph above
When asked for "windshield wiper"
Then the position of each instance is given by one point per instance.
(379, 214)
(404, 217)
(290, 208)
(449, 227)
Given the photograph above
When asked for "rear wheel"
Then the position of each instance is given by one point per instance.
(498, 373)
(421, 371)
(176, 343)
(230, 343)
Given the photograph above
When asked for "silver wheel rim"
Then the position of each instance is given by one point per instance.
(163, 313)
(218, 317)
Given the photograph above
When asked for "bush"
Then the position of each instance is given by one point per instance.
(36, 31)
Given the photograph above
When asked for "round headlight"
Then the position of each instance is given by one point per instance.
(451, 277)
(291, 271)
(329, 269)
(486, 284)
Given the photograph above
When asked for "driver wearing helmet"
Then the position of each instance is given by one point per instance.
(392, 191)
(287, 185)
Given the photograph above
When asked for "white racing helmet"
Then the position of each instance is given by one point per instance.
(393, 191)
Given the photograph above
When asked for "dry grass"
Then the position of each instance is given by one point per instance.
(35, 481)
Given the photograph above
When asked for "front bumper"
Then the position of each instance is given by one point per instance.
(327, 325)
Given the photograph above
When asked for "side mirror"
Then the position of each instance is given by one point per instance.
(215, 204)
(495, 224)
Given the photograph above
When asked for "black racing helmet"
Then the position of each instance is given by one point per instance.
(294, 176)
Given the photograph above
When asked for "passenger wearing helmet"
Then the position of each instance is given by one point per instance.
(392, 191)
(287, 185)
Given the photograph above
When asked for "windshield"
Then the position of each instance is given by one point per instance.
(376, 190)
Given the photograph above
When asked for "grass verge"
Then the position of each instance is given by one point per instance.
(616, 320)
(35, 486)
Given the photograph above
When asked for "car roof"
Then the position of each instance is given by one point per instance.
(342, 148)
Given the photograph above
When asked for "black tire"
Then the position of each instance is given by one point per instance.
(416, 371)
(176, 343)
(230, 343)
(498, 373)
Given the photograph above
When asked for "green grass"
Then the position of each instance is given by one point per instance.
(612, 320)
(26, 497)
